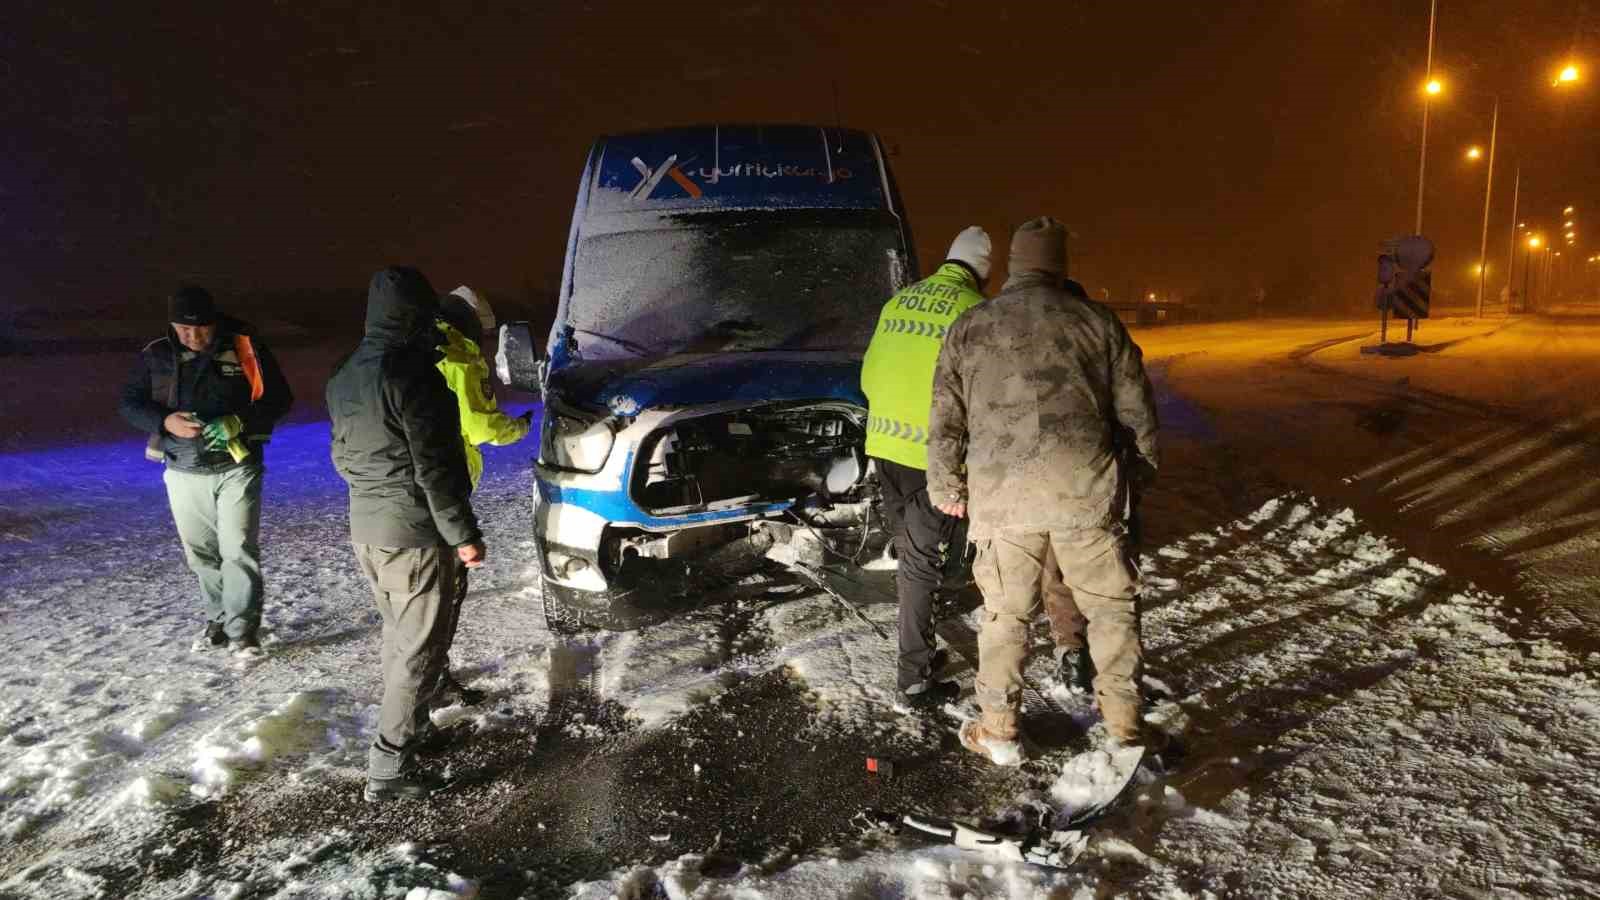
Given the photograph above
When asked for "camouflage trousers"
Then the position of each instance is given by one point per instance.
(1068, 628)
(1094, 565)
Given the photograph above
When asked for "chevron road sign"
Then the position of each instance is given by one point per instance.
(1404, 283)
(1408, 295)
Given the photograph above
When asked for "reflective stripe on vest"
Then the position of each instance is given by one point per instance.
(912, 326)
(895, 428)
(250, 365)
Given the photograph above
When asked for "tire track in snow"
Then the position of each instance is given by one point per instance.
(1390, 737)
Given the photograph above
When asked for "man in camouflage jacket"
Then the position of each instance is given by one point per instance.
(1043, 420)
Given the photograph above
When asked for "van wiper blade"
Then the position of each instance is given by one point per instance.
(624, 343)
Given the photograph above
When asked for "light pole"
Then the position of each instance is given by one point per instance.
(1511, 255)
(1488, 191)
(1527, 271)
(1432, 87)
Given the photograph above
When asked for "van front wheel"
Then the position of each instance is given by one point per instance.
(571, 611)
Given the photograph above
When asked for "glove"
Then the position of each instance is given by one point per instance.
(219, 431)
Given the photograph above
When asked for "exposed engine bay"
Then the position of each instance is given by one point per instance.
(752, 455)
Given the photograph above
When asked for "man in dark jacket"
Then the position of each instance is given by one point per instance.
(397, 444)
(208, 394)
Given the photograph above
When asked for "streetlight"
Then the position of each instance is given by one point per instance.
(1534, 244)
(1488, 192)
(1432, 89)
(1567, 211)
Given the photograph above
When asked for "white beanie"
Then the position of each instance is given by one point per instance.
(972, 247)
(479, 304)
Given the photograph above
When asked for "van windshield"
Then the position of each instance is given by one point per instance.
(730, 281)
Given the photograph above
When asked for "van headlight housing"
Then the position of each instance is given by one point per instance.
(577, 444)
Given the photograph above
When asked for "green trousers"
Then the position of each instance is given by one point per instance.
(219, 521)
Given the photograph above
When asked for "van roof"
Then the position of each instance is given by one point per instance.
(738, 167)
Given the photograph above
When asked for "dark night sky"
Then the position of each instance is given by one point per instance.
(1191, 146)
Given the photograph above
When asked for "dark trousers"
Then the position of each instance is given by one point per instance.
(454, 614)
(416, 592)
(922, 539)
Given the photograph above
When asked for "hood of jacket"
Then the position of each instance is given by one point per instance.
(401, 307)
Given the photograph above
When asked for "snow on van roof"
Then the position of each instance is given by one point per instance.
(738, 166)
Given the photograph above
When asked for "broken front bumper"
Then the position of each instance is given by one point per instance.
(680, 480)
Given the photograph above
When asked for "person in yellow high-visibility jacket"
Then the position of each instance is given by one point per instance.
(897, 377)
(466, 317)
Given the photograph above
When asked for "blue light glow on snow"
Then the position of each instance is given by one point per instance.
(61, 502)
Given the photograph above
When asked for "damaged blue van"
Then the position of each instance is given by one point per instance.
(703, 371)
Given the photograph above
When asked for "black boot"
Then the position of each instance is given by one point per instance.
(1075, 668)
(930, 694)
(412, 784)
(212, 636)
(452, 692)
(393, 774)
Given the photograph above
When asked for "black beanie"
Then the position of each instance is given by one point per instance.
(192, 305)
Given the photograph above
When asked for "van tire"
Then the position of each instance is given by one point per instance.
(571, 611)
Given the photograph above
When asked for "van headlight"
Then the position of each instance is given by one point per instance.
(573, 443)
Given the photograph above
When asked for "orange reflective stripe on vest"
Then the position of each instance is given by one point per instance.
(251, 366)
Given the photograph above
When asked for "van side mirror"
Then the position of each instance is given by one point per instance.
(517, 361)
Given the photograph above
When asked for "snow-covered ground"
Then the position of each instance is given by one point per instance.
(1360, 725)
(1360, 722)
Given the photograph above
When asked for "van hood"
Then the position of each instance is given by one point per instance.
(694, 379)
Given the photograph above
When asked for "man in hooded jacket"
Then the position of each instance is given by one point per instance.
(209, 394)
(1032, 391)
(397, 444)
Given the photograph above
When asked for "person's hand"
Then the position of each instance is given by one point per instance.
(955, 509)
(182, 425)
(472, 554)
(221, 430)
